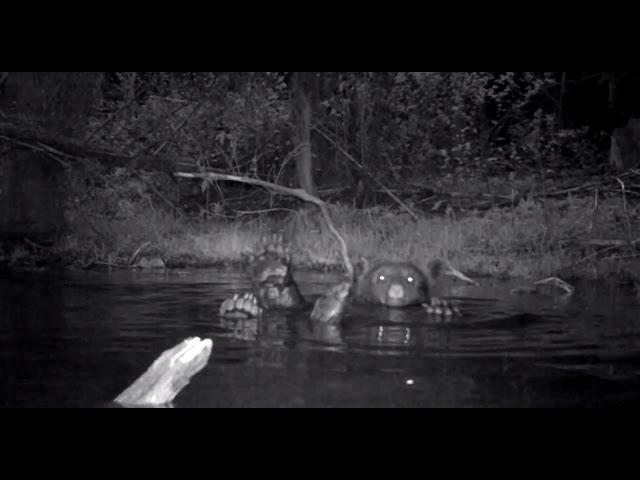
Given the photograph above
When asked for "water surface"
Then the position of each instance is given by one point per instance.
(77, 339)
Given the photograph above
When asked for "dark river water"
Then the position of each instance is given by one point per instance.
(79, 339)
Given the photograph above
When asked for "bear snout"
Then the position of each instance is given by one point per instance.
(396, 292)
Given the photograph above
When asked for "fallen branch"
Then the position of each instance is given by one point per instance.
(634, 193)
(612, 243)
(296, 192)
(241, 213)
(586, 186)
(135, 254)
(623, 257)
(458, 274)
(40, 148)
(109, 264)
(556, 282)
(36, 245)
(168, 374)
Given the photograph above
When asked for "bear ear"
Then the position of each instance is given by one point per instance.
(435, 269)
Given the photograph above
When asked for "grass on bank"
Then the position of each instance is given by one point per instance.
(532, 240)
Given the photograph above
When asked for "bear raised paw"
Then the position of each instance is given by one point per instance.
(272, 276)
(272, 284)
(330, 306)
(241, 307)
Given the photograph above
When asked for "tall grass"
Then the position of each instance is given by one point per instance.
(533, 239)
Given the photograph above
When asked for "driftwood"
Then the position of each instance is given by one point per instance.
(599, 242)
(556, 282)
(168, 375)
(553, 281)
(453, 272)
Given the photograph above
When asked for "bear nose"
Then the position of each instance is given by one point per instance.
(396, 291)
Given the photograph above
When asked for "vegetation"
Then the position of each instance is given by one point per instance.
(532, 239)
(492, 171)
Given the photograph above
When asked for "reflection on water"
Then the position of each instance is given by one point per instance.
(79, 339)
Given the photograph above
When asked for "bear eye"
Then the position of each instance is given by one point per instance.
(381, 278)
(410, 279)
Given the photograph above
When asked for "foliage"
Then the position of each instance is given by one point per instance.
(398, 125)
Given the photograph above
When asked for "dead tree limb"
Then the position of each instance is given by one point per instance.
(597, 242)
(557, 282)
(296, 192)
(168, 375)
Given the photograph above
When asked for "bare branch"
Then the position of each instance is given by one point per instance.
(296, 192)
(556, 282)
(135, 254)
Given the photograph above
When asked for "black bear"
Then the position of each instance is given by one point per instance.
(391, 284)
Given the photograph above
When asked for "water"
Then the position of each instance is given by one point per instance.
(79, 339)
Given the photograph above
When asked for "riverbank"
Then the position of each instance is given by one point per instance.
(534, 239)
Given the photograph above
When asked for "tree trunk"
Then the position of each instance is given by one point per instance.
(302, 115)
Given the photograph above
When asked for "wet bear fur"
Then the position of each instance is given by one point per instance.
(393, 284)
(272, 277)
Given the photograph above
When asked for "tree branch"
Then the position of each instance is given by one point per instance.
(295, 192)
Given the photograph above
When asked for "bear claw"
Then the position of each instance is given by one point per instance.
(243, 307)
